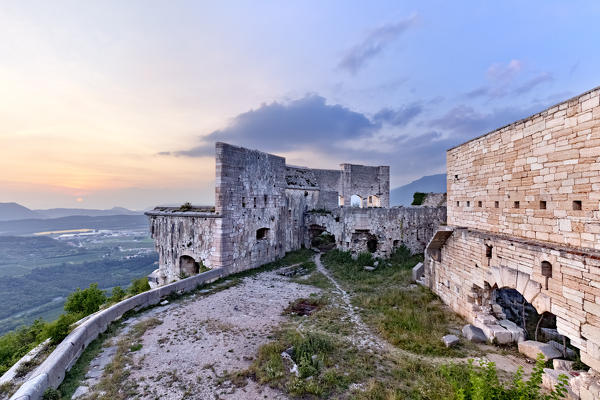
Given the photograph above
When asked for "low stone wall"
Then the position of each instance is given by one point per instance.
(52, 371)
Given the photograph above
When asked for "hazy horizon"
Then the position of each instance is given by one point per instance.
(119, 104)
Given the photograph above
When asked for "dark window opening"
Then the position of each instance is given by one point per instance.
(262, 233)
(458, 204)
(266, 199)
(542, 204)
(488, 251)
(372, 245)
(517, 204)
(496, 204)
(479, 203)
(468, 204)
(455, 176)
(546, 271)
(577, 205)
(305, 193)
(188, 267)
(243, 202)
(396, 243)
(255, 202)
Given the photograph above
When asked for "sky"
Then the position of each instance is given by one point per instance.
(119, 103)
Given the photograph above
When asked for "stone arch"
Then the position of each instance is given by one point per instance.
(505, 277)
(262, 233)
(356, 201)
(321, 238)
(188, 266)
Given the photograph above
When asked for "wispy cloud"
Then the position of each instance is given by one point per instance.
(400, 116)
(374, 43)
(530, 84)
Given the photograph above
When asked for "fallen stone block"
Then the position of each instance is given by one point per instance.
(417, 272)
(517, 333)
(497, 334)
(550, 380)
(563, 365)
(369, 268)
(531, 349)
(551, 334)
(474, 334)
(450, 340)
(570, 353)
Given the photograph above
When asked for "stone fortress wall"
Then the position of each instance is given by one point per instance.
(523, 213)
(264, 208)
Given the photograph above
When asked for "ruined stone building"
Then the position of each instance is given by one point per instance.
(265, 208)
(523, 208)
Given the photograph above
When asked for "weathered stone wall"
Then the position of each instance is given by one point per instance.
(523, 213)
(545, 162)
(435, 200)
(464, 278)
(390, 227)
(178, 234)
(366, 182)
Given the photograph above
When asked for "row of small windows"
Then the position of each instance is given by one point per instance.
(265, 199)
(577, 204)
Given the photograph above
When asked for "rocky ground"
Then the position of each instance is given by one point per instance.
(193, 348)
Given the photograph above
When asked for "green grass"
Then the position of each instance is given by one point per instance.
(408, 316)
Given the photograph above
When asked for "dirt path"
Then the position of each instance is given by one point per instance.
(364, 337)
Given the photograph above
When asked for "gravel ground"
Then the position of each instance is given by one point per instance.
(204, 337)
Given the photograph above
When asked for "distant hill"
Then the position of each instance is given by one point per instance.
(67, 212)
(14, 211)
(403, 195)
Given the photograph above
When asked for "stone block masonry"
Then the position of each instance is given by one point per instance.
(524, 213)
(265, 208)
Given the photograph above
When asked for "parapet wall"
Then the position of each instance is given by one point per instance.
(52, 371)
(538, 178)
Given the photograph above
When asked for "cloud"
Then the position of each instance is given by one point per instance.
(503, 80)
(398, 117)
(301, 123)
(374, 43)
(527, 86)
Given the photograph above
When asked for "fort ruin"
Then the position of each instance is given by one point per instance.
(265, 208)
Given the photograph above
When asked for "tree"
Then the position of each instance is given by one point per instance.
(139, 286)
(117, 294)
(86, 301)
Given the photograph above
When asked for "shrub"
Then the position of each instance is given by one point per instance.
(51, 394)
(418, 198)
(60, 328)
(117, 294)
(86, 301)
(483, 383)
(139, 286)
(187, 206)
(15, 345)
(365, 259)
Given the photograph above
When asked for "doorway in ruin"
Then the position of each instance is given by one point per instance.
(356, 201)
(364, 241)
(320, 238)
(262, 233)
(509, 304)
(373, 201)
(188, 266)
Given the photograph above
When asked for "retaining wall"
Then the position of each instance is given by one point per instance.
(52, 371)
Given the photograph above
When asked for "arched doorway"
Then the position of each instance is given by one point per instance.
(320, 238)
(188, 266)
(356, 201)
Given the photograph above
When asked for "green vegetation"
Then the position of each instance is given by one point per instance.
(187, 206)
(483, 383)
(15, 345)
(138, 286)
(86, 301)
(325, 241)
(418, 198)
(408, 316)
(117, 294)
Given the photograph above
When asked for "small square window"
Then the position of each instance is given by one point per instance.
(496, 204)
(468, 204)
(517, 204)
(479, 203)
(455, 176)
(542, 204)
(577, 205)
(458, 204)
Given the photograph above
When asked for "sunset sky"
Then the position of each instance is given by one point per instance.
(119, 103)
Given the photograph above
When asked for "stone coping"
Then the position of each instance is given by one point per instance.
(52, 371)
(200, 214)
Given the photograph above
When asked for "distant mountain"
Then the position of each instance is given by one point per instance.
(14, 211)
(403, 195)
(68, 212)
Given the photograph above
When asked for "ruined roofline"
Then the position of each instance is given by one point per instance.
(193, 211)
(523, 120)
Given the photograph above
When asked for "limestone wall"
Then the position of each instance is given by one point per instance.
(183, 234)
(389, 227)
(464, 276)
(546, 163)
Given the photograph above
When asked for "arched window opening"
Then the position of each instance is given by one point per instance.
(546, 272)
(372, 245)
(188, 267)
(262, 233)
(356, 201)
